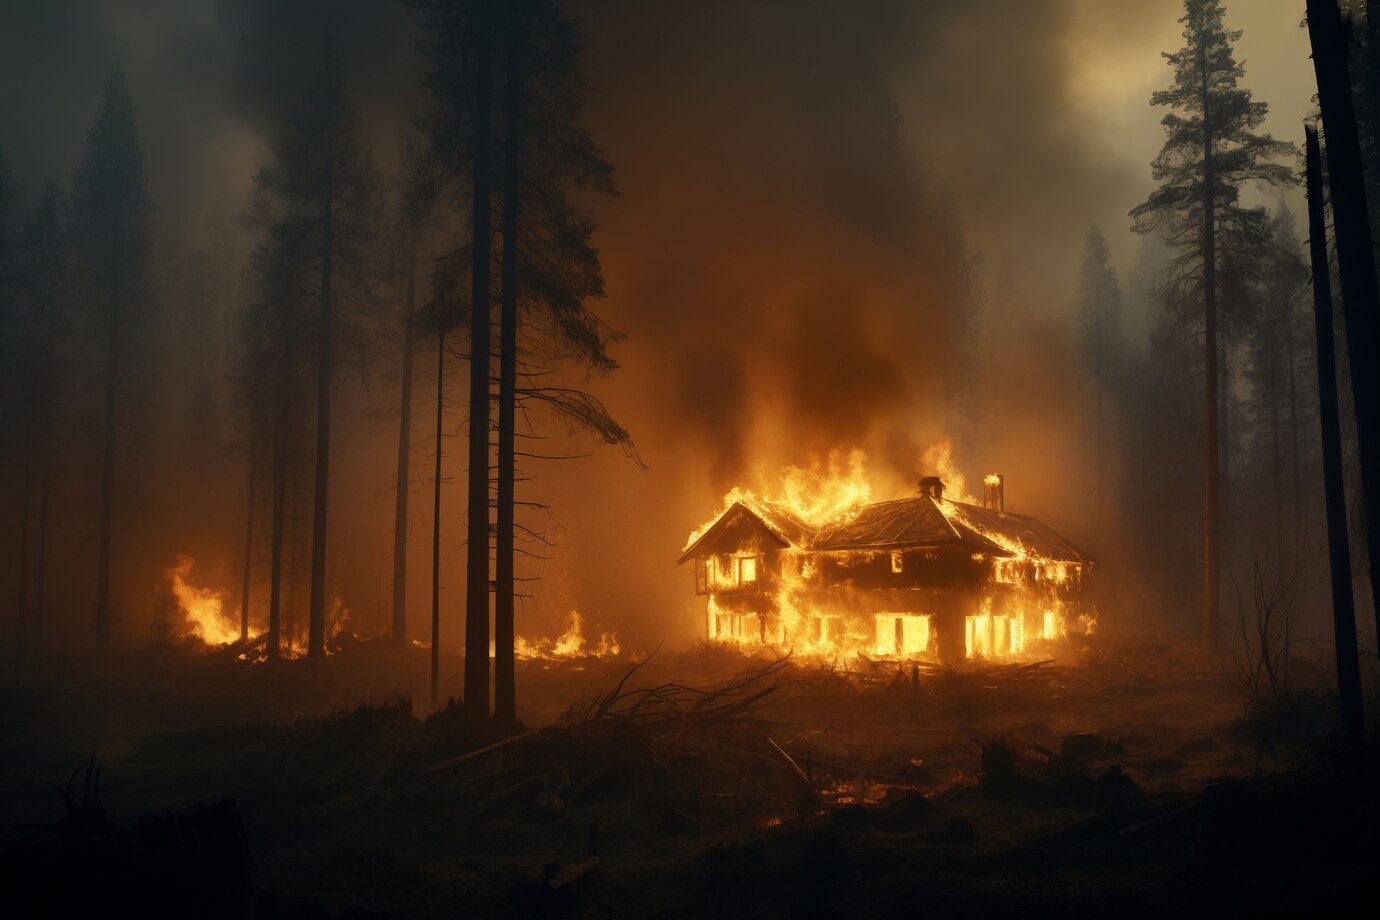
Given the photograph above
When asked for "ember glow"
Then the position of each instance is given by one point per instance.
(820, 569)
(204, 608)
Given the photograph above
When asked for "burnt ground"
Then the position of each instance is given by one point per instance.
(1123, 784)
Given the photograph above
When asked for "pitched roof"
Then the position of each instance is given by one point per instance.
(780, 523)
(904, 523)
(1032, 533)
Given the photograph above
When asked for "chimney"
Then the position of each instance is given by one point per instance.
(932, 486)
(994, 491)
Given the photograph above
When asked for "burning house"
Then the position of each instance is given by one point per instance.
(924, 576)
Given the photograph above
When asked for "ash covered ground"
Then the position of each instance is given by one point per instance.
(1124, 782)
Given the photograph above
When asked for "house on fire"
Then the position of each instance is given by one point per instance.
(915, 577)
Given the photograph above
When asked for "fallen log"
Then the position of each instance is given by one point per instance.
(481, 751)
(1163, 824)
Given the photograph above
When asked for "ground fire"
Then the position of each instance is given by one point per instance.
(924, 576)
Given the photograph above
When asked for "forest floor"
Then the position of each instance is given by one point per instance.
(1124, 783)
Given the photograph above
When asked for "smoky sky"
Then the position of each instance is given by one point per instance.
(808, 190)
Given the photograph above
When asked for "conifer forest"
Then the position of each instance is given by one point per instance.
(788, 458)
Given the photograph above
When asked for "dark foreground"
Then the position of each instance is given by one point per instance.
(1125, 785)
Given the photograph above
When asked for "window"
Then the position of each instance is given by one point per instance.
(701, 577)
(896, 562)
(747, 569)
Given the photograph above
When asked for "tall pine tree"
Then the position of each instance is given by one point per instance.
(1102, 341)
(1212, 150)
(320, 193)
(41, 329)
(109, 226)
(507, 97)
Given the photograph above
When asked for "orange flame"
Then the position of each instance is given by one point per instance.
(833, 493)
(570, 644)
(203, 607)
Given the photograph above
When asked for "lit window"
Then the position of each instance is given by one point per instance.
(747, 569)
(701, 576)
(896, 562)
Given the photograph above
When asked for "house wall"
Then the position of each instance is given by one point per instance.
(836, 596)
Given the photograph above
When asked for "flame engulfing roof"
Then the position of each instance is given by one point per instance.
(904, 523)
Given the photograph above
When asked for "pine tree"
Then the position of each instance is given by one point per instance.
(276, 329)
(110, 236)
(320, 192)
(1212, 150)
(41, 299)
(416, 198)
(1102, 340)
(1278, 361)
(507, 88)
(550, 271)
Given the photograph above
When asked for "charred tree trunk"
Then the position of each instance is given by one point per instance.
(1277, 471)
(108, 466)
(41, 563)
(248, 539)
(436, 523)
(1338, 544)
(404, 453)
(1099, 385)
(292, 540)
(1356, 258)
(477, 543)
(1370, 75)
(316, 615)
(275, 604)
(19, 614)
(505, 690)
(1296, 472)
(1211, 470)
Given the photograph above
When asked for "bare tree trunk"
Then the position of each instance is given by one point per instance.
(404, 453)
(1097, 422)
(316, 616)
(1370, 76)
(1276, 472)
(275, 604)
(505, 689)
(1356, 258)
(292, 539)
(23, 565)
(436, 522)
(248, 537)
(1211, 469)
(41, 563)
(477, 543)
(1338, 544)
(1296, 477)
(108, 467)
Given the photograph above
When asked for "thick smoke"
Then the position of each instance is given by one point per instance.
(806, 187)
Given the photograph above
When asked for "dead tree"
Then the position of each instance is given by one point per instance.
(248, 540)
(1355, 256)
(404, 449)
(477, 541)
(505, 691)
(1338, 544)
(436, 521)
